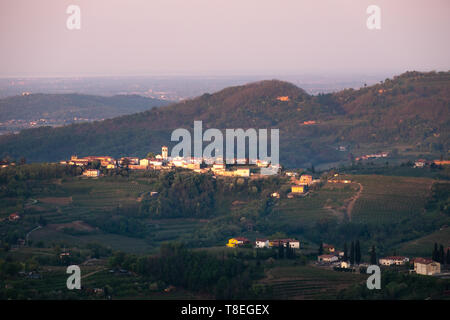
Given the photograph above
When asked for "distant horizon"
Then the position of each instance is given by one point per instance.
(180, 87)
(218, 75)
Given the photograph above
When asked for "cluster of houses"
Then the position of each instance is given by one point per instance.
(332, 256)
(300, 185)
(263, 243)
(422, 266)
(163, 161)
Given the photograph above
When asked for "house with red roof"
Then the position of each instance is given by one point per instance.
(426, 267)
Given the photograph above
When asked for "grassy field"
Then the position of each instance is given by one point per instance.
(424, 246)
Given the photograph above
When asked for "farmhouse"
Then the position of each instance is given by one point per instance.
(420, 163)
(327, 258)
(306, 179)
(295, 244)
(262, 243)
(91, 173)
(393, 260)
(298, 189)
(14, 217)
(275, 195)
(426, 267)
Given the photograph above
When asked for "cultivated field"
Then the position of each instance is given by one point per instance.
(308, 282)
(387, 199)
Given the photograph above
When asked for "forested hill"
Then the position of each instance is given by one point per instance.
(66, 107)
(408, 112)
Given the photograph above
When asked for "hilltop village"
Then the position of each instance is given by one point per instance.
(92, 166)
(240, 167)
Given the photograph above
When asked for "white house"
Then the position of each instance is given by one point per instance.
(393, 260)
(327, 258)
(275, 195)
(262, 243)
(91, 173)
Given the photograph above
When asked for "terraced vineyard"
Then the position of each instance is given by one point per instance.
(78, 200)
(386, 199)
(329, 202)
(308, 282)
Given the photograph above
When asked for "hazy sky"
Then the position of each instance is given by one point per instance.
(212, 37)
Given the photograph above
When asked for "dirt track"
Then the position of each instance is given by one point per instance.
(352, 202)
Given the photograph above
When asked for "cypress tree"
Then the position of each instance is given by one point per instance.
(321, 248)
(373, 256)
(448, 257)
(352, 253)
(441, 254)
(280, 251)
(435, 252)
(288, 251)
(345, 252)
(357, 252)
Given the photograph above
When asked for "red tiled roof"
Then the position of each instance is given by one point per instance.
(423, 260)
(327, 256)
(395, 258)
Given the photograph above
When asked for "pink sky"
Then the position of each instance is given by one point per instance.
(213, 37)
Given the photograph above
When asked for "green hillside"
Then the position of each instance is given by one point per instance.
(66, 107)
(408, 113)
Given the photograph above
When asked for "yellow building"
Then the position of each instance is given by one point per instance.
(232, 243)
(236, 242)
(242, 172)
(297, 189)
(306, 179)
